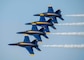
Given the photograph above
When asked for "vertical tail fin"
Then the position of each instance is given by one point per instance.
(59, 13)
(45, 29)
(42, 29)
(50, 20)
(35, 42)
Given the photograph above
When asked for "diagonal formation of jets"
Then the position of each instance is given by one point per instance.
(38, 33)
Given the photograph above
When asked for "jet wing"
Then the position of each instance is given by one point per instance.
(26, 39)
(42, 19)
(29, 49)
(38, 37)
(50, 9)
(34, 28)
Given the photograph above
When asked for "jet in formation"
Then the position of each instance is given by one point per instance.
(51, 14)
(35, 32)
(27, 44)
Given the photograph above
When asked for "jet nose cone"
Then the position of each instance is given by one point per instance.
(28, 23)
(21, 32)
(13, 44)
(36, 14)
(9, 44)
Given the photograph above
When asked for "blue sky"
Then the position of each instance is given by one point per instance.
(15, 13)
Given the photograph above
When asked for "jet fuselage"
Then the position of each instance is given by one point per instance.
(23, 44)
(48, 14)
(30, 32)
(40, 23)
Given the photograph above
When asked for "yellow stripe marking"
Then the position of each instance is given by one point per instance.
(25, 34)
(42, 23)
(41, 14)
(47, 32)
(31, 54)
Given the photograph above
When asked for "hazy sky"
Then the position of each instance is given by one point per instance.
(15, 13)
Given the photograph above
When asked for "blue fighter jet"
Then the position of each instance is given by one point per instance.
(51, 14)
(35, 32)
(28, 45)
(43, 23)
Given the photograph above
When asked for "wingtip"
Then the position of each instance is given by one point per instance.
(47, 32)
(31, 54)
(39, 42)
(49, 5)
